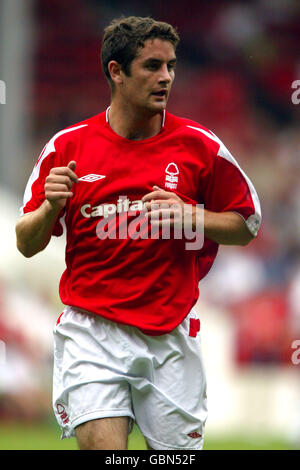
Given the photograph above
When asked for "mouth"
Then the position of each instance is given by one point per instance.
(160, 93)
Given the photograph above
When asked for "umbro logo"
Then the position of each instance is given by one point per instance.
(91, 178)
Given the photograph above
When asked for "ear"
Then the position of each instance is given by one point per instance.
(115, 71)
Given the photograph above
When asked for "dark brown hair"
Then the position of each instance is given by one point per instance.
(124, 36)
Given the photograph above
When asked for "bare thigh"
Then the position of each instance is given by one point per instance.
(103, 434)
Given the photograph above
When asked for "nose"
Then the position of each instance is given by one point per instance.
(165, 74)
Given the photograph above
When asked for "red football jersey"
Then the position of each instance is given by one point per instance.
(150, 283)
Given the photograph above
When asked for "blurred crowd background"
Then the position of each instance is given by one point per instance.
(238, 61)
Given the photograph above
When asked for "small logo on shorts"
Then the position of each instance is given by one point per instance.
(194, 435)
(62, 413)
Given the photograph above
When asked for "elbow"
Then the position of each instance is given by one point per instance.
(246, 235)
(247, 239)
(23, 249)
(244, 242)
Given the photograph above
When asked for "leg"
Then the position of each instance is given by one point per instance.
(90, 400)
(170, 402)
(103, 434)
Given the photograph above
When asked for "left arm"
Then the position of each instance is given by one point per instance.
(224, 228)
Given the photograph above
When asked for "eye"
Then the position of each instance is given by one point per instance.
(152, 66)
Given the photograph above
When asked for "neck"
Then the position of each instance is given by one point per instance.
(132, 124)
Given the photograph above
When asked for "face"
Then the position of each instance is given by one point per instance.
(151, 76)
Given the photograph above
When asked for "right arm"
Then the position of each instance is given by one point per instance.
(34, 229)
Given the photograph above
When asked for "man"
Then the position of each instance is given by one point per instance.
(127, 346)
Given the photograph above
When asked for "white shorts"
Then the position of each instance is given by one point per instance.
(104, 369)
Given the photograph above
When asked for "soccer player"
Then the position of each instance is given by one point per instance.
(127, 345)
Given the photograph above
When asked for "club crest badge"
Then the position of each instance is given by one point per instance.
(172, 173)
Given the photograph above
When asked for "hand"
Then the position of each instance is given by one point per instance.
(165, 208)
(58, 185)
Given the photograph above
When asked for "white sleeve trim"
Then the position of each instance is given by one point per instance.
(49, 148)
(250, 223)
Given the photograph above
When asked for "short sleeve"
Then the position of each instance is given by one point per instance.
(34, 194)
(229, 189)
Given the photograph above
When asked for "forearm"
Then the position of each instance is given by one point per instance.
(34, 230)
(226, 228)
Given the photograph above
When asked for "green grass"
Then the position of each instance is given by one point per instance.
(47, 437)
(246, 442)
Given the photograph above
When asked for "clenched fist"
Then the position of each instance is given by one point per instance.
(58, 185)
